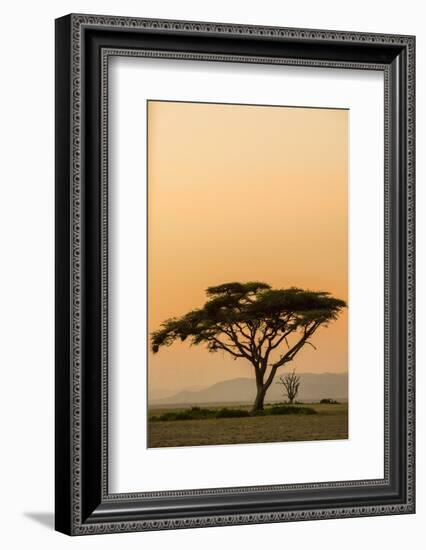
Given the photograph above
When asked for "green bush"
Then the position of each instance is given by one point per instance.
(194, 413)
(288, 409)
(199, 413)
(231, 413)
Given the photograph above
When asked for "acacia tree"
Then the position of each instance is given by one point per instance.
(291, 383)
(266, 327)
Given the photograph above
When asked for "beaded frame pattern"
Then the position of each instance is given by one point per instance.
(79, 22)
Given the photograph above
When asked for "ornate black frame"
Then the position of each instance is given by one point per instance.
(83, 46)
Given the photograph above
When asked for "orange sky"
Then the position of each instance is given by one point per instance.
(241, 193)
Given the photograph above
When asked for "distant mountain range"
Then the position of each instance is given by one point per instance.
(313, 387)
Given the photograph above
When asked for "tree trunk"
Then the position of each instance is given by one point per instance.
(262, 388)
(260, 398)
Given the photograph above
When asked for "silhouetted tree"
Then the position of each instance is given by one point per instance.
(291, 383)
(251, 321)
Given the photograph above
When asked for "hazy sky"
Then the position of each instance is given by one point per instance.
(242, 193)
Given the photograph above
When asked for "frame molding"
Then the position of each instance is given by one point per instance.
(83, 45)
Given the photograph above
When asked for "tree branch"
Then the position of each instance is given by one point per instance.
(221, 345)
(241, 347)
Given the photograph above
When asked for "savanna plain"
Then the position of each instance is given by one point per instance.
(328, 422)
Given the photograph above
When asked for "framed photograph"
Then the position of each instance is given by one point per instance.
(234, 274)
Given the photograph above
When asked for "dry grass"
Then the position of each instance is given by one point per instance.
(331, 422)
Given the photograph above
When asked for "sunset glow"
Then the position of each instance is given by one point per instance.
(243, 193)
